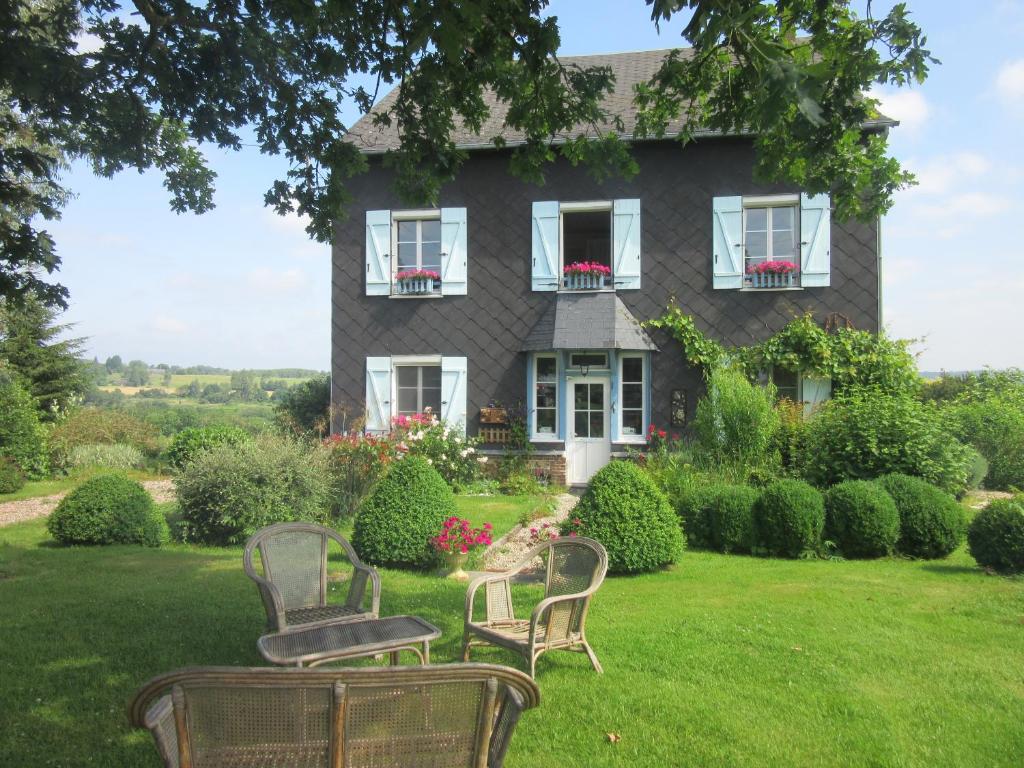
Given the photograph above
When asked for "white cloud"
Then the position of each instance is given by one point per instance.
(911, 108)
(266, 280)
(1010, 83)
(291, 222)
(941, 174)
(966, 205)
(88, 42)
(168, 324)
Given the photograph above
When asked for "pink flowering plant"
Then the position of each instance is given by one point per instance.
(446, 449)
(457, 537)
(773, 267)
(587, 268)
(418, 274)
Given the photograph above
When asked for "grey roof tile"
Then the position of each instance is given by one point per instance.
(587, 321)
(629, 69)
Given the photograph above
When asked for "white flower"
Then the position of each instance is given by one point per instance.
(482, 459)
(429, 461)
(445, 433)
(471, 449)
(465, 452)
(416, 435)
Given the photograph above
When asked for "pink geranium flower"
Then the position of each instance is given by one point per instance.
(418, 274)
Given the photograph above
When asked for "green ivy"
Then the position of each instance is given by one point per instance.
(847, 356)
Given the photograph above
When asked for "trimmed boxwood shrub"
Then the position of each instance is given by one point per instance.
(788, 518)
(931, 522)
(229, 492)
(691, 504)
(996, 536)
(406, 507)
(11, 477)
(108, 509)
(625, 511)
(861, 519)
(729, 517)
(188, 443)
(22, 436)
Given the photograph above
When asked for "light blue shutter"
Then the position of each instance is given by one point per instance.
(626, 239)
(453, 391)
(378, 247)
(727, 242)
(814, 391)
(453, 251)
(378, 395)
(544, 265)
(815, 240)
(615, 416)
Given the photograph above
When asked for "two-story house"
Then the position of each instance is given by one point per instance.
(517, 293)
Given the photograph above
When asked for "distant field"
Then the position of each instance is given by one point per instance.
(179, 380)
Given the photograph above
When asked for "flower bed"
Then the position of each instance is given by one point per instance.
(585, 276)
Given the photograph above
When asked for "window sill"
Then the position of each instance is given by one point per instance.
(415, 295)
(771, 290)
(586, 290)
(545, 439)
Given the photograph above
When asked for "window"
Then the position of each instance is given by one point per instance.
(771, 242)
(417, 249)
(418, 388)
(632, 400)
(586, 246)
(588, 409)
(787, 384)
(545, 396)
(588, 360)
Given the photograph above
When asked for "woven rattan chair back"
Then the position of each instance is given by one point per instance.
(292, 576)
(573, 567)
(448, 715)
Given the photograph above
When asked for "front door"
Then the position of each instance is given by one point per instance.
(589, 446)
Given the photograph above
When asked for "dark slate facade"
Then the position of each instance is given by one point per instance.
(488, 326)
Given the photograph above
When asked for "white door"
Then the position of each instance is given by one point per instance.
(589, 446)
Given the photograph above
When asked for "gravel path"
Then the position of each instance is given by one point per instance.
(41, 506)
(510, 548)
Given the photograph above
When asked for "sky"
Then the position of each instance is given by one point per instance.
(242, 287)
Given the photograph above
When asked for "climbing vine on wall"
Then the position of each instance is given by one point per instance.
(847, 356)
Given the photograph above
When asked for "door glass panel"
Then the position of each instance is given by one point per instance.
(580, 397)
(582, 424)
(597, 424)
(596, 397)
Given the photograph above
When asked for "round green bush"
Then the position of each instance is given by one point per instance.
(406, 508)
(996, 536)
(625, 511)
(188, 443)
(861, 518)
(11, 477)
(931, 522)
(228, 492)
(108, 509)
(729, 516)
(788, 518)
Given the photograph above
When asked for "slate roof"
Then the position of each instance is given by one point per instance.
(629, 70)
(587, 321)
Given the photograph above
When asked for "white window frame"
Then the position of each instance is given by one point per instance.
(417, 215)
(412, 361)
(642, 436)
(769, 202)
(799, 384)
(587, 206)
(546, 437)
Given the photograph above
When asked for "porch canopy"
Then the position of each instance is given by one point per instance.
(579, 321)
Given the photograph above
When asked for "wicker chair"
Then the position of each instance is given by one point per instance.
(575, 569)
(458, 715)
(293, 584)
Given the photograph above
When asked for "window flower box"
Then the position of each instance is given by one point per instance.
(585, 276)
(412, 282)
(772, 274)
(493, 415)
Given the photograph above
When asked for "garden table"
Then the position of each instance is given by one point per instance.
(350, 640)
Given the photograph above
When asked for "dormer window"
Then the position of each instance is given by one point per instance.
(586, 246)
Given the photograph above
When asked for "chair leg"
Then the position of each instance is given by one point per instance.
(465, 646)
(593, 657)
(533, 666)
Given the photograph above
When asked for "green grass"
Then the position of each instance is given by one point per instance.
(503, 512)
(722, 660)
(35, 488)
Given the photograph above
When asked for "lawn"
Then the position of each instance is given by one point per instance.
(722, 660)
(35, 488)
